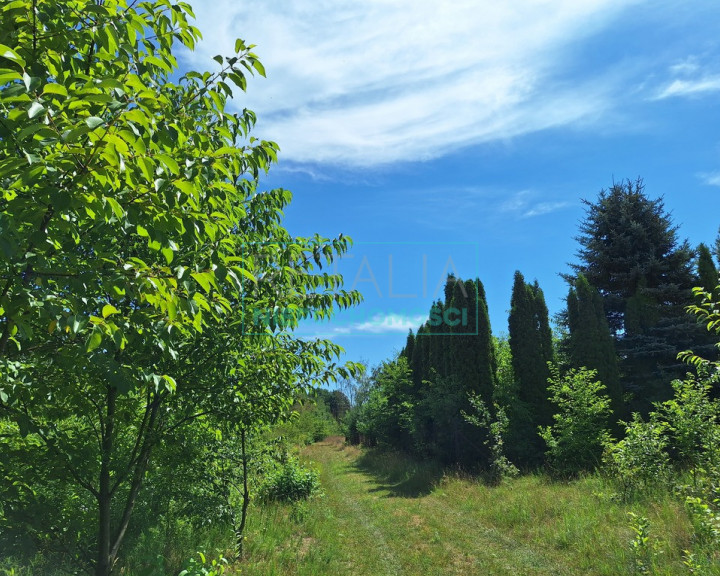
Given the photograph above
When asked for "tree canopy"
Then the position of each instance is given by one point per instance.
(146, 284)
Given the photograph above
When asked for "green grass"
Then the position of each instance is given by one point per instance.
(383, 514)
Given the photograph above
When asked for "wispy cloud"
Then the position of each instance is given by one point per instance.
(710, 178)
(391, 323)
(525, 204)
(690, 87)
(689, 77)
(544, 208)
(375, 82)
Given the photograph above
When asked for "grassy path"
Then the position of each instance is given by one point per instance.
(385, 516)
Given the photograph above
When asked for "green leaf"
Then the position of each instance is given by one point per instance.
(170, 383)
(146, 167)
(9, 76)
(10, 54)
(35, 109)
(172, 310)
(116, 208)
(259, 67)
(185, 187)
(169, 254)
(169, 162)
(71, 136)
(94, 340)
(93, 122)
(204, 279)
(109, 310)
(53, 88)
(243, 272)
(155, 61)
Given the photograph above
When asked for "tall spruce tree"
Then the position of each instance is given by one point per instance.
(530, 341)
(630, 252)
(590, 343)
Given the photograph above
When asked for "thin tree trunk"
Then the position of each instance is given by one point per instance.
(240, 532)
(104, 564)
(141, 465)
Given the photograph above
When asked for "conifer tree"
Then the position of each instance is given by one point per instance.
(590, 342)
(420, 360)
(706, 270)
(531, 348)
(630, 252)
(407, 351)
(543, 324)
(436, 342)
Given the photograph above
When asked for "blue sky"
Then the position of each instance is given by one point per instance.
(461, 136)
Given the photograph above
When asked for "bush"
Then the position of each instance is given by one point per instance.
(575, 441)
(692, 424)
(203, 567)
(499, 467)
(290, 482)
(639, 461)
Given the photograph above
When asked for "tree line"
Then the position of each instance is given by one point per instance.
(625, 318)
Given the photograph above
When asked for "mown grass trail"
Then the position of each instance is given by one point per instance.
(383, 515)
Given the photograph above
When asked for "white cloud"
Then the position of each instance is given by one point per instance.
(390, 323)
(545, 208)
(525, 205)
(689, 77)
(379, 81)
(687, 66)
(710, 178)
(690, 87)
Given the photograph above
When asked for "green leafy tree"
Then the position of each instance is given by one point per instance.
(496, 427)
(505, 377)
(692, 425)
(142, 269)
(576, 439)
(639, 461)
(387, 414)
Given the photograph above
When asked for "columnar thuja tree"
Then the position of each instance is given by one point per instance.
(706, 270)
(136, 252)
(473, 353)
(590, 343)
(474, 364)
(530, 341)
